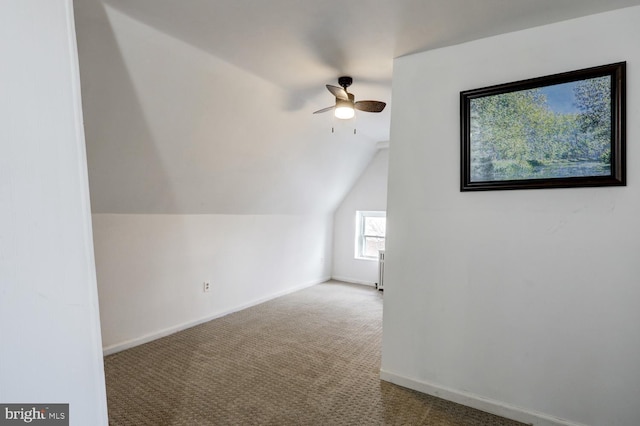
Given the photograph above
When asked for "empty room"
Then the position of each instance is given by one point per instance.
(316, 213)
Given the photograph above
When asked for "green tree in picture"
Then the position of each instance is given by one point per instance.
(593, 99)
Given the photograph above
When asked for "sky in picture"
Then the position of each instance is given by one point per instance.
(561, 98)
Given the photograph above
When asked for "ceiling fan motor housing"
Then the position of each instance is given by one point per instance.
(345, 81)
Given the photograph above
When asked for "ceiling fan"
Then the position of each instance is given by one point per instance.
(345, 102)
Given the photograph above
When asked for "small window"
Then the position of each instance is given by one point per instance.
(371, 227)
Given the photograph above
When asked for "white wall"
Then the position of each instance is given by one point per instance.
(49, 323)
(368, 193)
(523, 303)
(151, 267)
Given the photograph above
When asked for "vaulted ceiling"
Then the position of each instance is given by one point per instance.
(204, 106)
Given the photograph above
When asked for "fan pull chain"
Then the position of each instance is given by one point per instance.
(333, 130)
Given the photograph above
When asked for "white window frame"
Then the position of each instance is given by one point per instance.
(360, 236)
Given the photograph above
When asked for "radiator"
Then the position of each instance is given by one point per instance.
(380, 284)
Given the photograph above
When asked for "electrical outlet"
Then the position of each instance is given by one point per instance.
(206, 286)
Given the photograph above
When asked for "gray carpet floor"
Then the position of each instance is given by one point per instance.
(308, 358)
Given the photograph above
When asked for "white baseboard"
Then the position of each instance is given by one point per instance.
(469, 399)
(128, 344)
(354, 281)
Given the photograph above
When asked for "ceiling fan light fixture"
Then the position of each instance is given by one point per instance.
(344, 110)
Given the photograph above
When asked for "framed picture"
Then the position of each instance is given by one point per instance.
(562, 130)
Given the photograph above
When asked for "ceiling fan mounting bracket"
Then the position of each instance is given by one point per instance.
(345, 82)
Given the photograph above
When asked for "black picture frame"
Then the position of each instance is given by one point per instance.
(558, 131)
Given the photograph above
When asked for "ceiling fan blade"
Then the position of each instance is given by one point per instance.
(338, 92)
(324, 109)
(370, 106)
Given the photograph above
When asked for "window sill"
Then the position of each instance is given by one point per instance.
(372, 259)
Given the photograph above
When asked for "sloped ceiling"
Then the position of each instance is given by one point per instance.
(204, 106)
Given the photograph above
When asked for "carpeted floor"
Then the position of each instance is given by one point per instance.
(308, 358)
